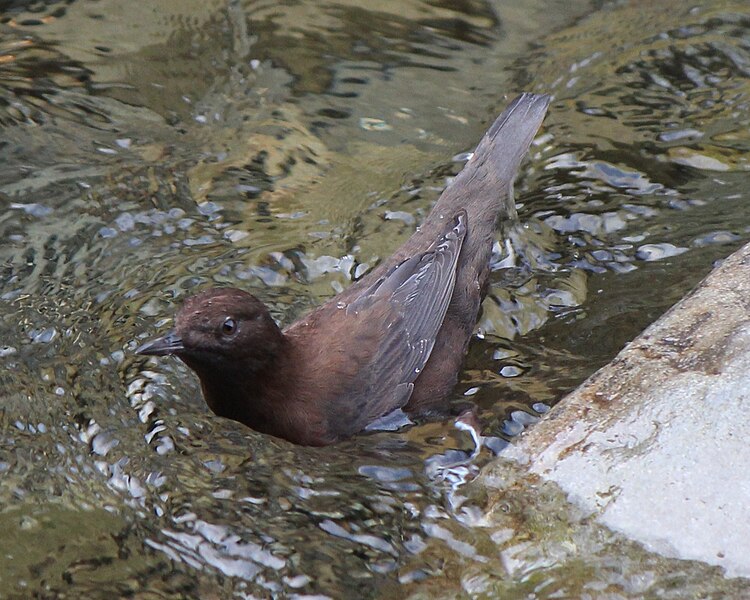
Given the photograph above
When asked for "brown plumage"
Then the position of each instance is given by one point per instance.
(394, 339)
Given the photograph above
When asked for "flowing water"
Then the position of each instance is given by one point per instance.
(149, 150)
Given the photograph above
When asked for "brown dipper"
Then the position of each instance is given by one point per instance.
(395, 339)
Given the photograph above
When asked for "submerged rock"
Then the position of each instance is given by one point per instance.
(654, 445)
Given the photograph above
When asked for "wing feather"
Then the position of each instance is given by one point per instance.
(414, 295)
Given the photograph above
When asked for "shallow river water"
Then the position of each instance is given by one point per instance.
(149, 150)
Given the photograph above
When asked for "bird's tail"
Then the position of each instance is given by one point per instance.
(483, 186)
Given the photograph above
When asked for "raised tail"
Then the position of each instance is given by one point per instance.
(481, 189)
(484, 183)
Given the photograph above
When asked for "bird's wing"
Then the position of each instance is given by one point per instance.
(410, 301)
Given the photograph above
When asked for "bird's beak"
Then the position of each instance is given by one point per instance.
(170, 343)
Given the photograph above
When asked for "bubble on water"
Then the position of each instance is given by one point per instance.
(165, 445)
(267, 275)
(215, 465)
(679, 134)
(107, 232)
(125, 222)
(585, 265)
(368, 540)
(653, 252)
(43, 336)
(503, 353)
(622, 267)
(512, 428)
(715, 237)
(511, 371)
(235, 235)
(601, 255)
(400, 215)
(691, 158)
(32, 208)
(641, 210)
(495, 444)
(524, 418)
(209, 208)
(361, 269)
(103, 442)
(612, 222)
(592, 224)
(200, 241)
(634, 238)
(371, 124)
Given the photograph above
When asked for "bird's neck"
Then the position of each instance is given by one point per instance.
(236, 394)
(260, 395)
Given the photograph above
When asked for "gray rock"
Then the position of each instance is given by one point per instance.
(654, 444)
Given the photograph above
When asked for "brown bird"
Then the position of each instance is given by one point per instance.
(395, 339)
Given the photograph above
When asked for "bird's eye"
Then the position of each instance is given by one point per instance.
(229, 326)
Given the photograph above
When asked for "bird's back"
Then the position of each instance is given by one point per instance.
(481, 192)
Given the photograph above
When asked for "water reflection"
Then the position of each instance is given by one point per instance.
(288, 149)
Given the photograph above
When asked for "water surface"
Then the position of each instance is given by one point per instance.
(286, 148)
